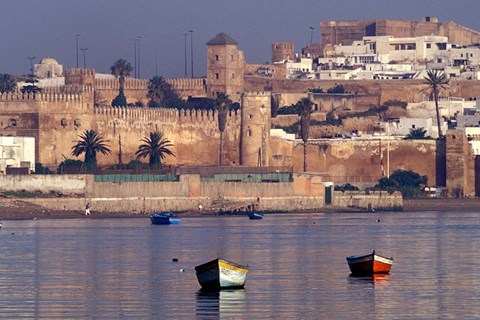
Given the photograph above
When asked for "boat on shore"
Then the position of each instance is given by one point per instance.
(221, 274)
(163, 218)
(252, 215)
(366, 265)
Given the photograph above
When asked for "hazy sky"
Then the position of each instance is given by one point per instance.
(44, 28)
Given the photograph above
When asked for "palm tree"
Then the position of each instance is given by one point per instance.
(90, 143)
(121, 69)
(156, 147)
(436, 82)
(159, 91)
(305, 109)
(7, 83)
(222, 103)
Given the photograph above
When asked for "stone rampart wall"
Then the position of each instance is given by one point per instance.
(67, 184)
(372, 200)
(352, 161)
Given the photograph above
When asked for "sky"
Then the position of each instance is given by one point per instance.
(107, 28)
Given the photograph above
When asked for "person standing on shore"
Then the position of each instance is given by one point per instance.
(87, 209)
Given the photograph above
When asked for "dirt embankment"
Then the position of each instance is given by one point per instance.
(20, 209)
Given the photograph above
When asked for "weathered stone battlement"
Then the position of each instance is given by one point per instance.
(130, 84)
(41, 96)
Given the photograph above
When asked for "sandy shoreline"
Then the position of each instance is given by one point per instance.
(16, 209)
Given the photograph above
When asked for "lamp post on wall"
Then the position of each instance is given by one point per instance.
(138, 39)
(185, 49)
(156, 62)
(191, 48)
(76, 36)
(84, 59)
(31, 64)
(134, 57)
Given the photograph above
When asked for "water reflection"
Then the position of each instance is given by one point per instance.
(223, 304)
(375, 279)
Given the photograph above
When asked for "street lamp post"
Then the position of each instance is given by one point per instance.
(31, 64)
(134, 57)
(138, 39)
(84, 59)
(77, 35)
(156, 62)
(311, 34)
(191, 48)
(185, 49)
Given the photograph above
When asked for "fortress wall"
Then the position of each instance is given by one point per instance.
(194, 133)
(376, 91)
(359, 160)
(186, 87)
(134, 89)
(345, 32)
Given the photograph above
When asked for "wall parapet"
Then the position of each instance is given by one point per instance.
(129, 84)
(41, 96)
(163, 114)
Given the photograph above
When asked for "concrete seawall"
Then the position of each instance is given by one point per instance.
(305, 192)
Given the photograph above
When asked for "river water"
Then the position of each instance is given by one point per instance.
(123, 268)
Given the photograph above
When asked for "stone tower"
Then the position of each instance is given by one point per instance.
(225, 67)
(460, 165)
(80, 76)
(282, 51)
(255, 129)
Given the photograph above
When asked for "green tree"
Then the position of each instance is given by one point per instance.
(7, 83)
(31, 86)
(121, 69)
(416, 133)
(91, 142)
(156, 147)
(436, 81)
(409, 183)
(305, 109)
(222, 103)
(159, 92)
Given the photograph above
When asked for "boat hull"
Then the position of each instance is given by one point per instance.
(369, 264)
(163, 218)
(255, 216)
(221, 274)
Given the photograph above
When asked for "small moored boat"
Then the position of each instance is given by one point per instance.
(369, 264)
(255, 215)
(163, 218)
(221, 274)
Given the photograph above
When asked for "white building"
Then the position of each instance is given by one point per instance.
(299, 67)
(48, 68)
(17, 152)
(473, 135)
(405, 125)
(449, 107)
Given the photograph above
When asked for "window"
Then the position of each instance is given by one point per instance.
(250, 116)
(233, 75)
(231, 57)
(429, 45)
(217, 76)
(217, 57)
(249, 132)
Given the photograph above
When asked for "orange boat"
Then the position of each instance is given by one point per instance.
(369, 264)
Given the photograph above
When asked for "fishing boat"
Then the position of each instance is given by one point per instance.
(255, 215)
(369, 264)
(221, 274)
(163, 218)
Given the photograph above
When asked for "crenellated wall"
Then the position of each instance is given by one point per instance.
(186, 87)
(359, 161)
(194, 133)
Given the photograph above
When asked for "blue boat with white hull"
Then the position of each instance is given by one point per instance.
(255, 215)
(163, 218)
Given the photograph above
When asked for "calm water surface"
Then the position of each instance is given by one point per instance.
(123, 268)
